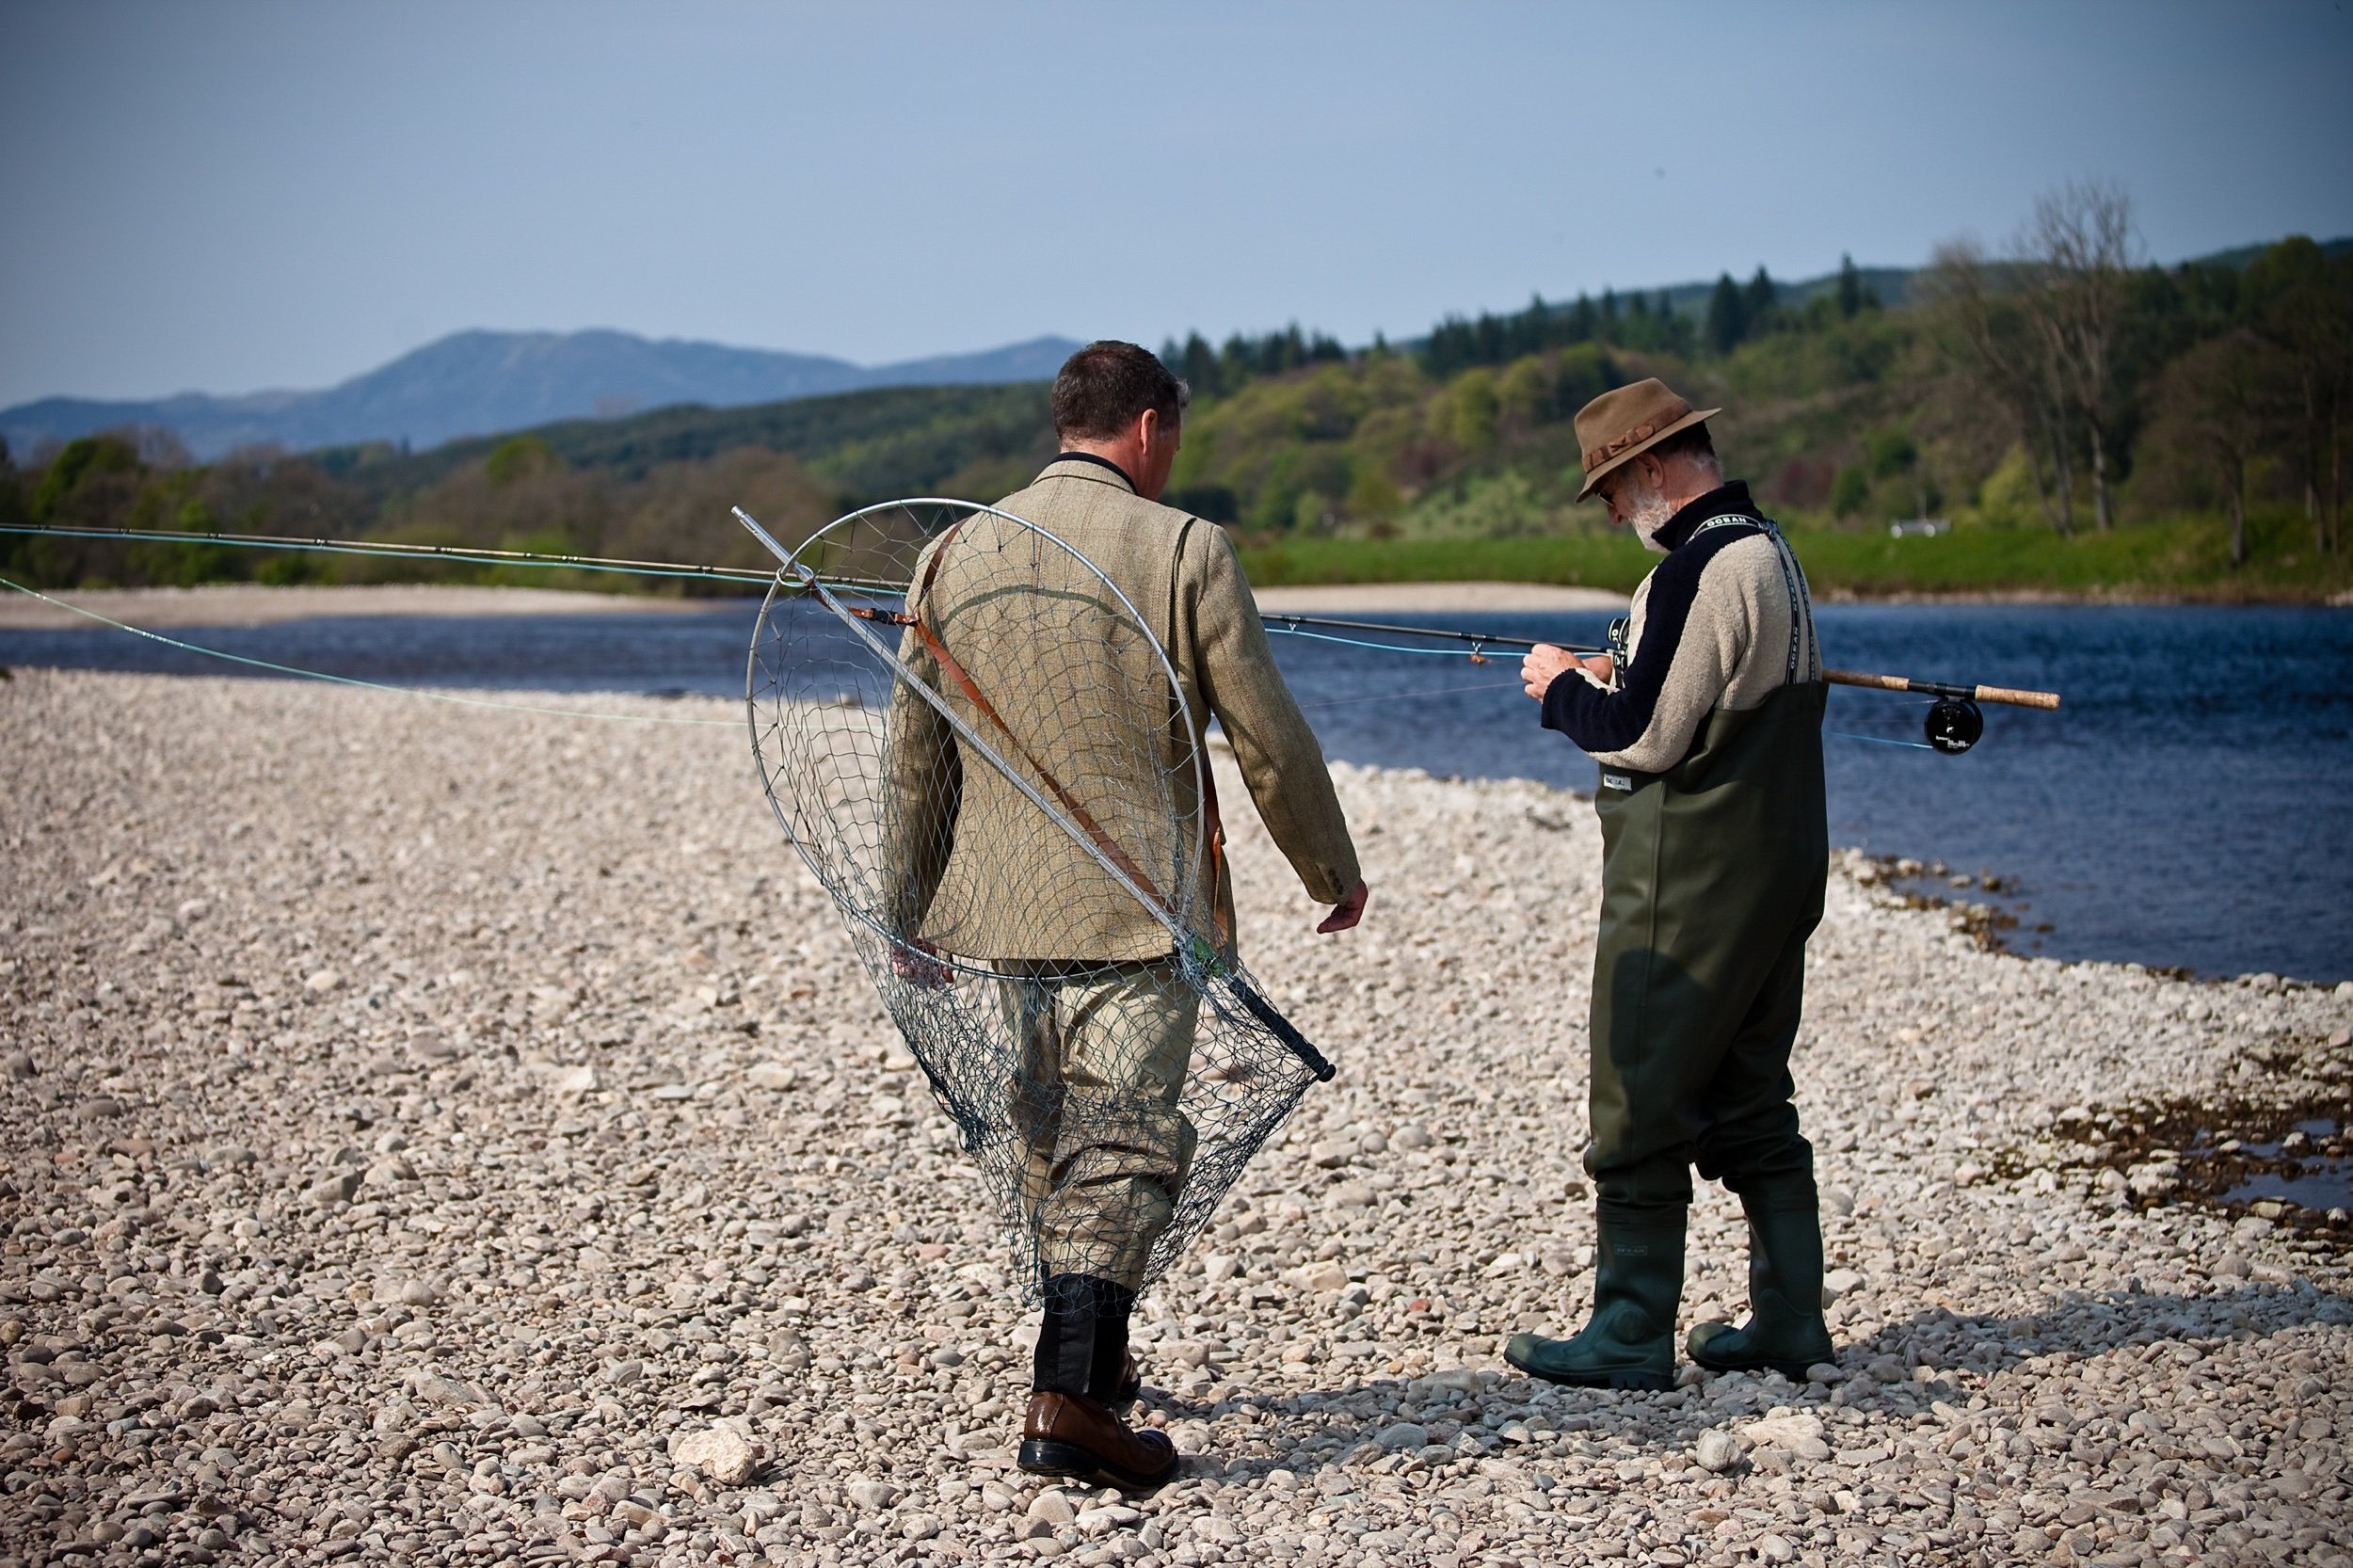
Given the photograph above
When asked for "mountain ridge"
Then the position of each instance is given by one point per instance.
(482, 382)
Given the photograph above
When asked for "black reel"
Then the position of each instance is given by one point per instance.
(1617, 638)
(1955, 725)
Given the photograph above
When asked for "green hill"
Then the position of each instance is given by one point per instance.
(871, 444)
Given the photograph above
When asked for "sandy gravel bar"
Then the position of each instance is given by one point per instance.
(250, 604)
(1393, 599)
(434, 1135)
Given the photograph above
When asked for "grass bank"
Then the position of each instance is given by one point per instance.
(2185, 559)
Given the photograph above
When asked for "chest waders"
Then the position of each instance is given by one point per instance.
(1712, 878)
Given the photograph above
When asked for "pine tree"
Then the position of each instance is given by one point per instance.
(1201, 369)
(1727, 316)
(1850, 288)
(1761, 296)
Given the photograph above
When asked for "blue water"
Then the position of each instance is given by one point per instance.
(2190, 805)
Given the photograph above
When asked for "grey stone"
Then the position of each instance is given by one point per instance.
(1717, 1450)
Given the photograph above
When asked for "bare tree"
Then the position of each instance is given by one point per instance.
(2013, 360)
(2074, 257)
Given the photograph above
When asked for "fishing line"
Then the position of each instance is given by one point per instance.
(1475, 655)
(1954, 723)
(370, 685)
(475, 554)
(1880, 740)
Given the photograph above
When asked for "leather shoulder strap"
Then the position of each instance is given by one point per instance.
(938, 649)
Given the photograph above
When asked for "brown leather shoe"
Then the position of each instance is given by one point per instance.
(1069, 1434)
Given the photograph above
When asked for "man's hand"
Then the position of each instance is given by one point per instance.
(1347, 912)
(1546, 663)
(914, 962)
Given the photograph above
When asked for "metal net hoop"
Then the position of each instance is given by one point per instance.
(818, 697)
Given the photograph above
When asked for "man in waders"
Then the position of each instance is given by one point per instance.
(1104, 1027)
(1708, 726)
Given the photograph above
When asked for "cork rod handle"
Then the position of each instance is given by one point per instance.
(2011, 694)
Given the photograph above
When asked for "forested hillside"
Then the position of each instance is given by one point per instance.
(2077, 422)
(2027, 407)
(653, 487)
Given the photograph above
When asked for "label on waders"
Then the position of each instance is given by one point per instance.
(1616, 781)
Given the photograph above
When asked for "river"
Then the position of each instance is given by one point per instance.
(2191, 805)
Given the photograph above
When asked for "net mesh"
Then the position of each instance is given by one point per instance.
(981, 749)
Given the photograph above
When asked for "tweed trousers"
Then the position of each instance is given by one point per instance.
(1102, 1054)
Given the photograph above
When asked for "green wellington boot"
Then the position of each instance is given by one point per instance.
(1784, 1331)
(1630, 1342)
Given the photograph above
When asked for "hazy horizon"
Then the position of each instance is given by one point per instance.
(251, 196)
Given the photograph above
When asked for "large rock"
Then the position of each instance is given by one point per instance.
(720, 1452)
(1784, 1431)
(1717, 1450)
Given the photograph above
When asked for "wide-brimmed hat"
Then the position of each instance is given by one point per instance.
(1618, 424)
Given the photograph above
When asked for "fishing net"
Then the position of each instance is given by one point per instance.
(981, 749)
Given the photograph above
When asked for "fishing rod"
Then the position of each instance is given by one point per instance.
(1954, 723)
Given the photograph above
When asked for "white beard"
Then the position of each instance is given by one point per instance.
(1648, 512)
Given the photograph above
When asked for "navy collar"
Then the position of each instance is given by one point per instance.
(1731, 497)
(1090, 458)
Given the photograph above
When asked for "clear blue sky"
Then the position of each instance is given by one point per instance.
(229, 196)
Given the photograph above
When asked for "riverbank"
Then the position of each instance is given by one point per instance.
(254, 604)
(2182, 561)
(1435, 598)
(408, 1154)
(2185, 561)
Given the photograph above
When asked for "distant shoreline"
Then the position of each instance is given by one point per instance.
(254, 604)
(1431, 599)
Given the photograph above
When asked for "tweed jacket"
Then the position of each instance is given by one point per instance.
(973, 866)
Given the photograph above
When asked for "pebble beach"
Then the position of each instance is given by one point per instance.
(436, 1134)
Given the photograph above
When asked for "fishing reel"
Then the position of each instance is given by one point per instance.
(1954, 725)
(1617, 637)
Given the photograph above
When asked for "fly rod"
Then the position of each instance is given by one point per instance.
(1954, 724)
(2011, 694)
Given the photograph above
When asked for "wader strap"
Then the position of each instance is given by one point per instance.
(1793, 575)
(971, 690)
(1800, 608)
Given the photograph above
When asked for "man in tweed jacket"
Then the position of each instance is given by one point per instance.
(1090, 992)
